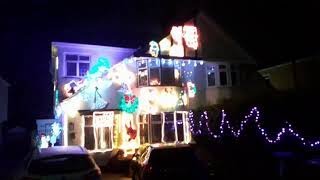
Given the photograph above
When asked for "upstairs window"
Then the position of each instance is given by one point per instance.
(223, 75)
(211, 75)
(154, 65)
(167, 72)
(142, 72)
(77, 65)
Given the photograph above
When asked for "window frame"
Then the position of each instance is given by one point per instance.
(77, 62)
(144, 68)
(208, 65)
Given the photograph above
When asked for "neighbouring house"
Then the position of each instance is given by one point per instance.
(111, 97)
(296, 75)
(3, 104)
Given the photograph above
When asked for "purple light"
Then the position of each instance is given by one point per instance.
(237, 133)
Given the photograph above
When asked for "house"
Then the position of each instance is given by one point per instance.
(296, 75)
(110, 97)
(3, 104)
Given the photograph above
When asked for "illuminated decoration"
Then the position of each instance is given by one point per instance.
(44, 141)
(154, 48)
(168, 98)
(128, 134)
(176, 74)
(120, 74)
(103, 119)
(71, 106)
(101, 66)
(55, 132)
(203, 128)
(131, 132)
(148, 100)
(165, 45)
(177, 46)
(153, 100)
(129, 103)
(57, 63)
(190, 35)
(154, 82)
(72, 87)
(183, 98)
(192, 90)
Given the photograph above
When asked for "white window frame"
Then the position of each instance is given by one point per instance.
(146, 68)
(158, 123)
(216, 76)
(227, 70)
(76, 62)
(145, 122)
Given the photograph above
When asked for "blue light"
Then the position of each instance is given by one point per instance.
(102, 64)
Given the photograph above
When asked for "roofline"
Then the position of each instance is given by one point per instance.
(199, 59)
(92, 46)
(287, 63)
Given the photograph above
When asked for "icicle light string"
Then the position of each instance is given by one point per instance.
(254, 115)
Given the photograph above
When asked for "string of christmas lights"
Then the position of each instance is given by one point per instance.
(203, 128)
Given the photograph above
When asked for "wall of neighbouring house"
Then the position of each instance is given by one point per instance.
(3, 105)
(3, 101)
(301, 75)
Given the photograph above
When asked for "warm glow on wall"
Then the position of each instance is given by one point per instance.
(155, 99)
(168, 98)
(120, 74)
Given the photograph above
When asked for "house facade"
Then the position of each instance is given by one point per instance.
(3, 104)
(108, 97)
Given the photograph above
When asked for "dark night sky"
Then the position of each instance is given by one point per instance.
(271, 32)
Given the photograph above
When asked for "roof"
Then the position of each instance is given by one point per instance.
(89, 46)
(312, 58)
(61, 150)
(215, 44)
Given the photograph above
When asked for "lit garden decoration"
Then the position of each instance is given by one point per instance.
(202, 128)
(129, 103)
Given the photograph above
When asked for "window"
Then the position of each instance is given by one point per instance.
(144, 128)
(223, 75)
(167, 72)
(169, 127)
(142, 72)
(77, 65)
(180, 128)
(211, 76)
(156, 129)
(89, 141)
(154, 65)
